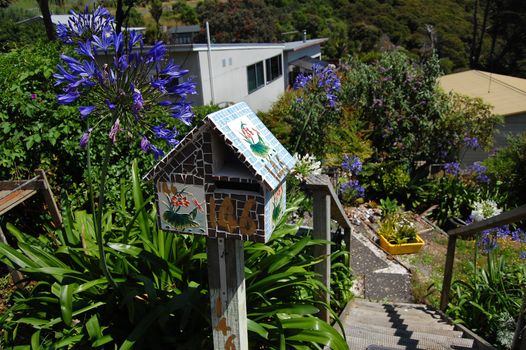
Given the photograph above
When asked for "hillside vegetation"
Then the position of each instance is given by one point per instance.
(360, 27)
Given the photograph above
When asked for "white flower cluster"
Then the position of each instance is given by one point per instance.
(305, 166)
(484, 210)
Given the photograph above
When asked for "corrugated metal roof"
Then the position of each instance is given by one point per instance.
(505, 93)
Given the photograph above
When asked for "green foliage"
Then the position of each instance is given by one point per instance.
(389, 206)
(13, 35)
(238, 21)
(388, 178)
(507, 167)
(397, 228)
(282, 290)
(37, 132)
(489, 300)
(411, 120)
(161, 285)
(185, 13)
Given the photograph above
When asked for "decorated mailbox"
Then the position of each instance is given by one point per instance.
(225, 179)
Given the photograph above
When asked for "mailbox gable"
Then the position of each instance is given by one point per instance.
(225, 179)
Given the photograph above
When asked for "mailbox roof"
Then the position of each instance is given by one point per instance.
(271, 168)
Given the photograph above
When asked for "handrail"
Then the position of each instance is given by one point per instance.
(322, 183)
(517, 214)
(507, 217)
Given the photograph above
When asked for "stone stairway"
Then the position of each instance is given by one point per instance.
(377, 326)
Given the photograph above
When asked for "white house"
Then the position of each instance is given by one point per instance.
(63, 19)
(253, 73)
(506, 94)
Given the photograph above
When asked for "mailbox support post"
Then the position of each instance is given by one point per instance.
(226, 277)
(322, 230)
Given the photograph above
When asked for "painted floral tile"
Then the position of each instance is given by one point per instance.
(182, 208)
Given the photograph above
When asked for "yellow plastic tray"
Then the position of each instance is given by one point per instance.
(404, 248)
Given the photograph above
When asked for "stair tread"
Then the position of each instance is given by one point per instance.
(413, 324)
(404, 329)
(390, 340)
(402, 313)
(451, 339)
(381, 304)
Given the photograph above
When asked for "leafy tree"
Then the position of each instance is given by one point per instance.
(411, 120)
(46, 17)
(156, 10)
(239, 21)
(185, 12)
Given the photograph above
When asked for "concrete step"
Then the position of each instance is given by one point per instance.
(448, 338)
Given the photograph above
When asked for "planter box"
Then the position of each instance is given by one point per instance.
(404, 248)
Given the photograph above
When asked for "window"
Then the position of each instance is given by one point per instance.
(274, 68)
(255, 76)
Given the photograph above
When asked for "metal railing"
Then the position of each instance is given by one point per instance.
(509, 217)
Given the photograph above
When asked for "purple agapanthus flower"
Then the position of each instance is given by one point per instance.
(82, 26)
(352, 164)
(452, 168)
(120, 92)
(324, 79)
(471, 142)
(478, 171)
(353, 185)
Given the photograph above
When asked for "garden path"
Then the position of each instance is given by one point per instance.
(378, 276)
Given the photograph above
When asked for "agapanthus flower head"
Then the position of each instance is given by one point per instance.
(353, 188)
(478, 171)
(471, 142)
(121, 94)
(305, 166)
(484, 209)
(322, 78)
(352, 164)
(452, 168)
(82, 26)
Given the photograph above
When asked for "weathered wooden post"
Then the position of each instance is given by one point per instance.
(448, 271)
(225, 180)
(327, 206)
(321, 224)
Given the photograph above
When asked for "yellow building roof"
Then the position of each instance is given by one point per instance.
(506, 94)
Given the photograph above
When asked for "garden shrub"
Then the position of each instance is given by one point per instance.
(488, 301)
(507, 167)
(387, 179)
(315, 109)
(36, 131)
(410, 119)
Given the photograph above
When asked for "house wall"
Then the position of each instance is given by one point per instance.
(190, 60)
(290, 56)
(513, 125)
(229, 69)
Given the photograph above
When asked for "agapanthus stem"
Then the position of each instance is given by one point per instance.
(302, 131)
(98, 212)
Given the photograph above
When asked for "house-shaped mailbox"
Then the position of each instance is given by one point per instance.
(225, 179)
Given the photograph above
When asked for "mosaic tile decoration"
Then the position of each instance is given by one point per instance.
(249, 137)
(182, 207)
